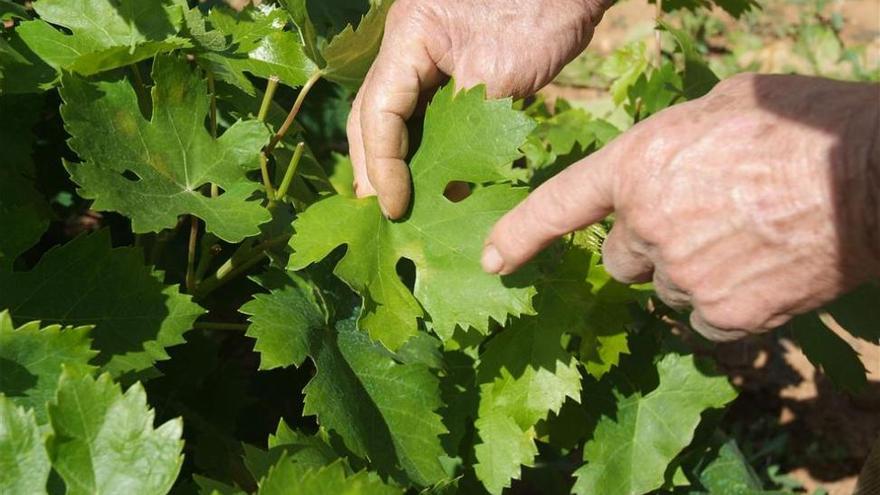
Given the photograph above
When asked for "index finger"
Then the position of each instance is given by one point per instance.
(580, 195)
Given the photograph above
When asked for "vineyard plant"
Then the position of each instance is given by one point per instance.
(193, 300)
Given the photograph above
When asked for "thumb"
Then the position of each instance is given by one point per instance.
(579, 196)
(403, 69)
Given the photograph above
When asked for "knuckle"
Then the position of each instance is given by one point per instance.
(734, 315)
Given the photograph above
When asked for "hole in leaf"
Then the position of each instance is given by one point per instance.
(457, 190)
(131, 176)
(406, 270)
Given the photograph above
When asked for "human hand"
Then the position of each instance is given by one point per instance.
(752, 204)
(515, 47)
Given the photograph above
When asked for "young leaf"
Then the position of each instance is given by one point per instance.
(106, 34)
(730, 474)
(329, 480)
(284, 323)
(24, 463)
(259, 45)
(104, 441)
(830, 353)
(350, 53)
(525, 374)
(171, 156)
(87, 282)
(629, 452)
(31, 359)
(347, 56)
(383, 410)
(466, 138)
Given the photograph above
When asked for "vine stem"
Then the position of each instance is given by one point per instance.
(140, 88)
(191, 254)
(290, 172)
(271, 86)
(294, 110)
(210, 325)
(241, 261)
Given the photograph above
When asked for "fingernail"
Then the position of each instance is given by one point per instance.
(491, 260)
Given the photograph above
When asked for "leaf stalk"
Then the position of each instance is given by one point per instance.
(290, 172)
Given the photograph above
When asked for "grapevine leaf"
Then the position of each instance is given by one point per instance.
(171, 156)
(830, 353)
(284, 323)
(31, 359)
(329, 480)
(625, 66)
(629, 452)
(383, 410)
(350, 53)
(105, 35)
(466, 138)
(24, 463)
(259, 45)
(525, 374)
(104, 441)
(87, 282)
(306, 450)
(208, 486)
(856, 312)
(730, 474)
(698, 78)
(504, 448)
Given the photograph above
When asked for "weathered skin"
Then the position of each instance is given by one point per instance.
(752, 204)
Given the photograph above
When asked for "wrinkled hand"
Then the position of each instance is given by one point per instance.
(515, 47)
(752, 204)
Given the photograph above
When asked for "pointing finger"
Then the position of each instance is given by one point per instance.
(578, 196)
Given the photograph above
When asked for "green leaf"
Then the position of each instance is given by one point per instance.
(170, 156)
(383, 410)
(104, 441)
(525, 374)
(830, 353)
(730, 474)
(466, 138)
(327, 27)
(350, 53)
(284, 323)
(625, 66)
(856, 312)
(86, 282)
(329, 480)
(698, 78)
(24, 463)
(106, 34)
(630, 451)
(31, 359)
(259, 45)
